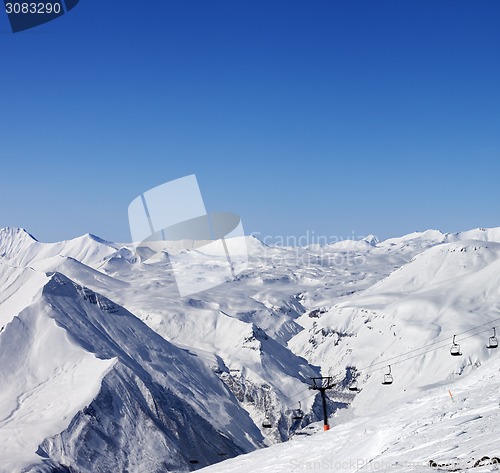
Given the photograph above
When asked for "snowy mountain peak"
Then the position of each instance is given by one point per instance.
(371, 240)
(15, 232)
(483, 234)
(14, 241)
(434, 236)
(95, 238)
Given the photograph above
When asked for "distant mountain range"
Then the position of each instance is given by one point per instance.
(105, 368)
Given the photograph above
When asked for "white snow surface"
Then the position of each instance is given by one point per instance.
(106, 368)
(427, 425)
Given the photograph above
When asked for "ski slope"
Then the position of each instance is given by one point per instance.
(423, 426)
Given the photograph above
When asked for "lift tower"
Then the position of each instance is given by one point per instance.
(322, 384)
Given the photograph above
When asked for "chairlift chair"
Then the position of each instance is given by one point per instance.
(455, 348)
(388, 379)
(298, 414)
(493, 341)
(353, 386)
(267, 423)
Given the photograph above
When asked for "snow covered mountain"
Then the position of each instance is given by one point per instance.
(106, 368)
(90, 386)
(429, 431)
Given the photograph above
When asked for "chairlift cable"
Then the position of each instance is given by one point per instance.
(304, 398)
(444, 345)
(296, 394)
(442, 342)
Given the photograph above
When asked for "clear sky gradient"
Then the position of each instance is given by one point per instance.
(334, 117)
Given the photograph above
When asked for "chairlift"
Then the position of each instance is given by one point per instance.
(455, 348)
(493, 341)
(267, 423)
(353, 386)
(297, 413)
(388, 379)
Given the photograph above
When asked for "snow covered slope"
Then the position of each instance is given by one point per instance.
(86, 383)
(46, 380)
(153, 381)
(426, 426)
(448, 289)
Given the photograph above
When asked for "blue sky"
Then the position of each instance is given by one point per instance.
(338, 117)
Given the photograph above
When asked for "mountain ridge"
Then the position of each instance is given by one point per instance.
(226, 361)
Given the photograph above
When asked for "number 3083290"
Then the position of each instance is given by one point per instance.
(33, 7)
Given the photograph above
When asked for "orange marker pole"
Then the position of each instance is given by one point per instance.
(451, 395)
